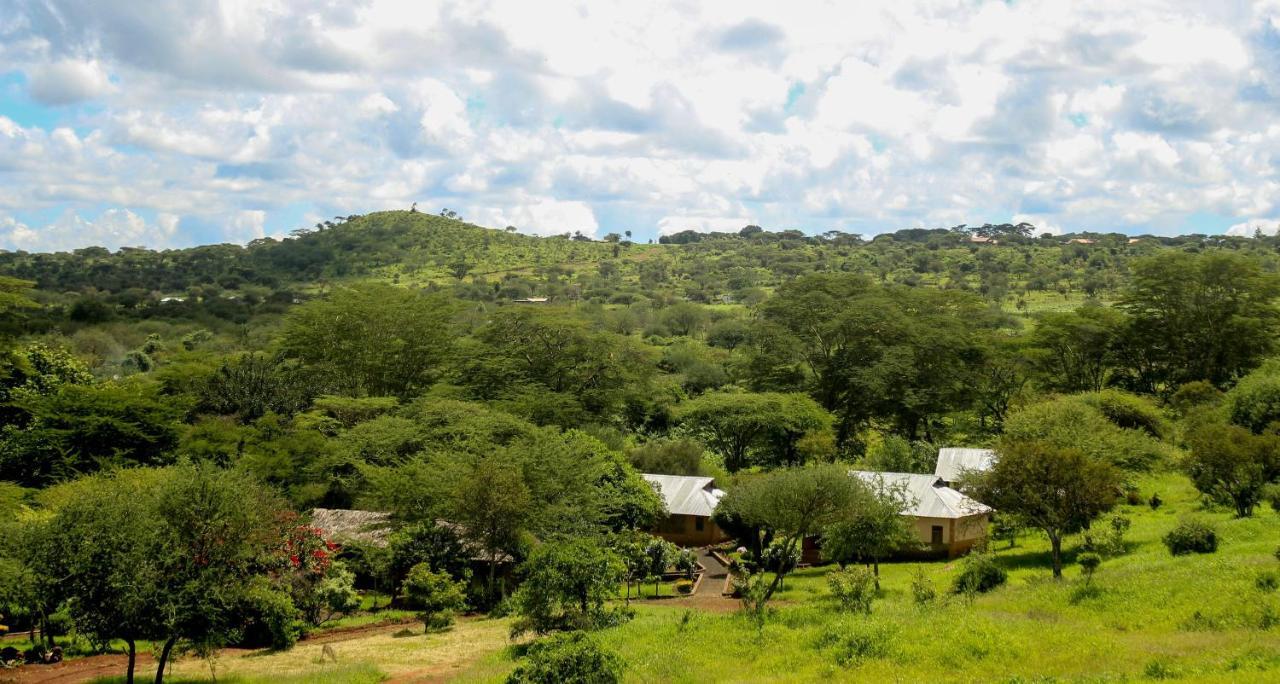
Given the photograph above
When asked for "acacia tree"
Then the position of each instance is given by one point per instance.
(1209, 316)
(214, 531)
(95, 554)
(1056, 490)
(373, 339)
(1231, 465)
(735, 424)
(872, 528)
(790, 504)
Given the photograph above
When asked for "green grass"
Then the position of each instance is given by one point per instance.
(1199, 618)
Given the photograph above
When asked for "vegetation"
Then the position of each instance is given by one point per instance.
(168, 419)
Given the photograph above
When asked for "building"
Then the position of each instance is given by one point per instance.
(690, 503)
(532, 300)
(953, 463)
(1080, 241)
(946, 522)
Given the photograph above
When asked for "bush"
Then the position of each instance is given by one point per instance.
(571, 658)
(684, 587)
(853, 589)
(1108, 539)
(1130, 411)
(1254, 402)
(1191, 536)
(979, 573)
(436, 594)
(1267, 581)
(922, 591)
(271, 618)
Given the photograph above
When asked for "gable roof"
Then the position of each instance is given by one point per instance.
(952, 462)
(346, 525)
(687, 495)
(932, 498)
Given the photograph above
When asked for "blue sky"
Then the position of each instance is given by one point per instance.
(226, 120)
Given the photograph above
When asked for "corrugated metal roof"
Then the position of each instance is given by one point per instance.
(932, 499)
(952, 462)
(687, 495)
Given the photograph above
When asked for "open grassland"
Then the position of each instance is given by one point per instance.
(1192, 618)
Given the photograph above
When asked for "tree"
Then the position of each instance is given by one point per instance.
(214, 530)
(1056, 490)
(83, 428)
(95, 553)
(566, 584)
(735, 424)
(872, 528)
(864, 351)
(251, 385)
(437, 595)
(1209, 316)
(1075, 351)
(1231, 465)
(373, 339)
(492, 503)
(1254, 402)
(788, 505)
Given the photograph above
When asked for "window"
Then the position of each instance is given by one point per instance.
(699, 523)
(937, 534)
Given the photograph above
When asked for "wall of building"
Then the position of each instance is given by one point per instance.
(958, 534)
(683, 530)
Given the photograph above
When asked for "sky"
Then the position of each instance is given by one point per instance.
(205, 121)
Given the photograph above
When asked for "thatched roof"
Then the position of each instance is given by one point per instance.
(346, 525)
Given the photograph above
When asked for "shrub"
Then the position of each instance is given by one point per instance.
(684, 587)
(1191, 536)
(1267, 581)
(271, 618)
(1254, 402)
(436, 594)
(853, 588)
(1130, 411)
(1156, 501)
(979, 573)
(570, 658)
(1108, 539)
(922, 591)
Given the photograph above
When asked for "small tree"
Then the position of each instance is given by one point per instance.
(1231, 465)
(565, 586)
(1058, 491)
(661, 554)
(1089, 563)
(872, 527)
(437, 595)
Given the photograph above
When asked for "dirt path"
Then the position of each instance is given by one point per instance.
(92, 667)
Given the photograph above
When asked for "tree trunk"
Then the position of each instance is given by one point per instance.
(133, 660)
(1056, 543)
(164, 659)
(493, 573)
(875, 565)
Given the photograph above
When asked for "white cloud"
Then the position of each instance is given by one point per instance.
(872, 116)
(68, 81)
(702, 224)
(543, 217)
(1251, 227)
(113, 228)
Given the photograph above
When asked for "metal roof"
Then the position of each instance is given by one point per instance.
(687, 495)
(953, 462)
(931, 497)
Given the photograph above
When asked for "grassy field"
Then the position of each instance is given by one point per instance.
(1194, 618)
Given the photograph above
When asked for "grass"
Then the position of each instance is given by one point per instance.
(1153, 617)
(1198, 618)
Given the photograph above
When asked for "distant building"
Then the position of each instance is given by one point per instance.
(532, 300)
(952, 463)
(1080, 241)
(1134, 241)
(691, 501)
(981, 240)
(945, 521)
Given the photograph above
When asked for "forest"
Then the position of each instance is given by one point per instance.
(170, 419)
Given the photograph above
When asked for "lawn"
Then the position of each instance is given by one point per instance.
(1192, 618)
